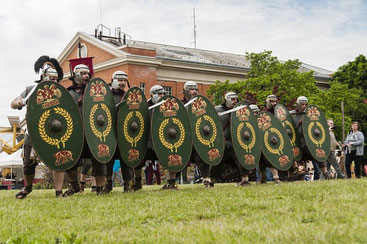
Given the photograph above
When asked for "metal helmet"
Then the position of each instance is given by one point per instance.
(301, 100)
(115, 78)
(78, 78)
(155, 91)
(50, 69)
(255, 109)
(49, 74)
(228, 99)
(189, 85)
(269, 99)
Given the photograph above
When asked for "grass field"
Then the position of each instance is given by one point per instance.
(300, 212)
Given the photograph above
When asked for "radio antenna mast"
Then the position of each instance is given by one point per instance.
(194, 29)
(100, 10)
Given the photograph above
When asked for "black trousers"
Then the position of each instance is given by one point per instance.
(350, 157)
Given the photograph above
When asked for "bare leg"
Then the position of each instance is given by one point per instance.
(325, 173)
(58, 177)
(73, 177)
(83, 177)
(244, 180)
(137, 185)
(171, 182)
(263, 177)
(274, 171)
(100, 181)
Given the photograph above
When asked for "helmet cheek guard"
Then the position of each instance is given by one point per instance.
(189, 85)
(254, 108)
(50, 69)
(78, 70)
(228, 99)
(49, 74)
(116, 76)
(155, 91)
(270, 99)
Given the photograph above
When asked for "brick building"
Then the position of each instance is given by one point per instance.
(148, 64)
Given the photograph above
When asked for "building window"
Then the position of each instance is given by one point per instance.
(142, 87)
(82, 50)
(168, 90)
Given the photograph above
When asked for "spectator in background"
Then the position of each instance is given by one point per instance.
(316, 170)
(117, 173)
(331, 160)
(153, 168)
(353, 149)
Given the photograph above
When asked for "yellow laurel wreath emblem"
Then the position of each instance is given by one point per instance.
(69, 127)
(109, 123)
(129, 139)
(278, 151)
(210, 142)
(248, 147)
(91, 122)
(322, 139)
(293, 139)
(163, 140)
(96, 132)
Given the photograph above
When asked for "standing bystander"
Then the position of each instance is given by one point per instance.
(353, 147)
(331, 160)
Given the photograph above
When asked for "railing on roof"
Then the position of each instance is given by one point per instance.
(99, 33)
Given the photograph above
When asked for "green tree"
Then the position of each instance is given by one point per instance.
(269, 76)
(354, 74)
(330, 103)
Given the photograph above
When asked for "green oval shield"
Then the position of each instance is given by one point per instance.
(282, 114)
(207, 130)
(55, 126)
(316, 133)
(171, 134)
(99, 118)
(133, 127)
(246, 137)
(276, 145)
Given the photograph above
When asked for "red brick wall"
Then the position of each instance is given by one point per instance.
(93, 51)
(140, 51)
(142, 74)
(136, 73)
(205, 88)
(106, 75)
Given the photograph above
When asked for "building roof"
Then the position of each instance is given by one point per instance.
(183, 54)
(193, 55)
(187, 54)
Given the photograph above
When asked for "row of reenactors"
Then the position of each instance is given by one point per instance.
(50, 70)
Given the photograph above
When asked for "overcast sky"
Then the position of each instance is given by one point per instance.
(326, 34)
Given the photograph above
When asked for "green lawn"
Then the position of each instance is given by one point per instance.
(300, 212)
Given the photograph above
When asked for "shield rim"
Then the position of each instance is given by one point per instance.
(298, 139)
(153, 142)
(327, 135)
(219, 130)
(259, 138)
(284, 134)
(147, 125)
(81, 126)
(113, 129)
